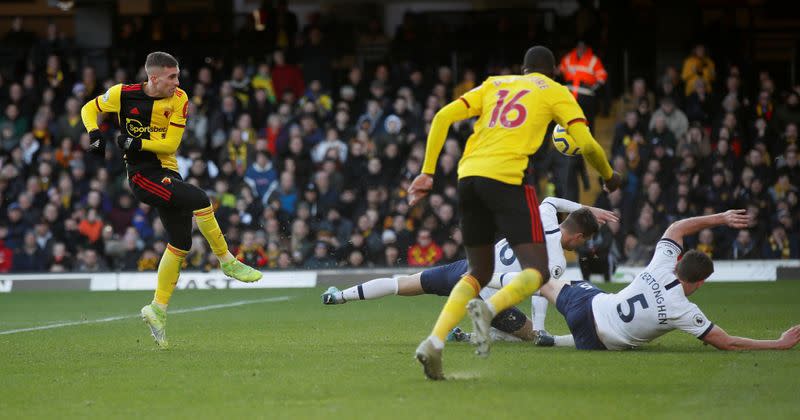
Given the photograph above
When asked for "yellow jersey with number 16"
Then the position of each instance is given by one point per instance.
(514, 113)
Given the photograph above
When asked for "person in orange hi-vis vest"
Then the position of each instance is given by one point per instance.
(583, 73)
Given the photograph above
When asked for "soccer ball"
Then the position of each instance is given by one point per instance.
(564, 143)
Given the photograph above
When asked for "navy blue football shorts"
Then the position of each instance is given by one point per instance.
(575, 303)
(442, 279)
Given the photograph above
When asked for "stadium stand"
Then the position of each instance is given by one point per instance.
(308, 157)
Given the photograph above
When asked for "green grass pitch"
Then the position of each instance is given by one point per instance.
(299, 359)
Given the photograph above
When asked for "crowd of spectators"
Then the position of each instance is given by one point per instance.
(308, 167)
(697, 144)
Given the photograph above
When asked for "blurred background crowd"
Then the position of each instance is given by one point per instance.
(307, 155)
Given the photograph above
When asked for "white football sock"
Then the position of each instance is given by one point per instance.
(564, 340)
(538, 312)
(372, 289)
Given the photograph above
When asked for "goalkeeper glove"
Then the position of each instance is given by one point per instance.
(129, 144)
(97, 144)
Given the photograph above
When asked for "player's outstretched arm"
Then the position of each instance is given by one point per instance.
(594, 154)
(737, 219)
(562, 205)
(452, 112)
(718, 338)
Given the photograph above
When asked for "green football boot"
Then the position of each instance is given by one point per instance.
(156, 319)
(240, 271)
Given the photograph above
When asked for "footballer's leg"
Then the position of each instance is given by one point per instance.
(544, 339)
(147, 188)
(516, 213)
(178, 224)
(508, 325)
(538, 311)
(196, 199)
(533, 259)
(504, 329)
(375, 289)
(533, 330)
(550, 291)
(429, 352)
(478, 229)
(480, 313)
(538, 302)
(511, 325)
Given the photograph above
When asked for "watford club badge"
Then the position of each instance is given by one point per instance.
(166, 180)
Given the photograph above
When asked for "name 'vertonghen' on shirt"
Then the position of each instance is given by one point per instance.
(658, 297)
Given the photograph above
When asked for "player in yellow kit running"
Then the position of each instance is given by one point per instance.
(513, 115)
(152, 116)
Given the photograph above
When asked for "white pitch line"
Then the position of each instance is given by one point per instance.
(121, 317)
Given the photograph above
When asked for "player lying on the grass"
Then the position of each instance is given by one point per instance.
(655, 303)
(581, 224)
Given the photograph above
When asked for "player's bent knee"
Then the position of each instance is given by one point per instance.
(201, 201)
(510, 320)
(183, 243)
(197, 199)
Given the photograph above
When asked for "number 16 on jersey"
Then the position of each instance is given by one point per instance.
(502, 109)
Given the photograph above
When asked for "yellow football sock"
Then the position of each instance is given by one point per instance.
(521, 287)
(168, 271)
(209, 227)
(456, 307)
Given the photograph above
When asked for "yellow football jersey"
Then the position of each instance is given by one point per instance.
(159, 122)
(514, 113)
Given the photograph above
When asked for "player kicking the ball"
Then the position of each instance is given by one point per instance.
(511, 324)
(152, 116)
(655, 303)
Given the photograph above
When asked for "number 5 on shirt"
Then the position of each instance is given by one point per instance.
(631, 307)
